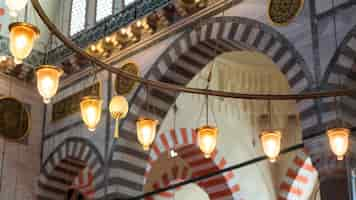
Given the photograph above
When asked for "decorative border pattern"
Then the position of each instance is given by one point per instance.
(109, 25)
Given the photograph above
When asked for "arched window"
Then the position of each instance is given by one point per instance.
(128, 2)
(104, 8)
(78, 16)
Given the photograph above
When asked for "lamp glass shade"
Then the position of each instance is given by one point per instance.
(271, 144)
(15, 6)
(22, 39)
(207, 140)
(90, 108)
(146, 131)
(339, 141)
(48, 81)
(118, 107)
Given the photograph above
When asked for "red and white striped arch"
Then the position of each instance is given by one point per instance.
(184, 142)
(84, 183)
(300, 178)
(174, 175)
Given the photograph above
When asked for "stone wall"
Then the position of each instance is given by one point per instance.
(21, 161)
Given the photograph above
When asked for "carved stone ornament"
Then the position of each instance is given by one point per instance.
(14, 119)
(283, 12)
(124, 86)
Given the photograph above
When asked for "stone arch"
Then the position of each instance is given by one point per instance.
(178, 173)
(342, 69)
(180, 62)
(300, 178)
(184, 142)
(84, 182)
(71, 159)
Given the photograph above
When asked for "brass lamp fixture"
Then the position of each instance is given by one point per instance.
(118, 108)
(207, 139)
(338, 136)
(48, 81)
(271, 139)
(339, 141)
(15, 6)
(22, 38)
(271, 144)
(146, 127)
(90, 108)
(146, 131)
(207, 135)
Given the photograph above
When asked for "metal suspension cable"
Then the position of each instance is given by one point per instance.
(172, 87)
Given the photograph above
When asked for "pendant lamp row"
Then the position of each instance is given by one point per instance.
(22, 38)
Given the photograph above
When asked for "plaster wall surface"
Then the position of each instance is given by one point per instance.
(21, 161)
(72, 126)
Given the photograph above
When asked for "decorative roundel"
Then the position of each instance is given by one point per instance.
(14, 119)
(283, 12)
(123, 85)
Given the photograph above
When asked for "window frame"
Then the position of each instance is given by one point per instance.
(125, 5)
(70, 18)
(96, 10)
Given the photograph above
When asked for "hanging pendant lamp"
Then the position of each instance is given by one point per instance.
(271, 139)
(48, 81)
(90, 108)
(207, 135)
(22, 38)
(146, 127)
(339, 141)
(118, 108)
(271, 144)
(207, 139)
(146, 131)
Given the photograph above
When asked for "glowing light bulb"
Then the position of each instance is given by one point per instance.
(48, 81)
(339, 141)
(90, 108)
(271, 144)
(146, 131)
(22, 38)
(207, 140)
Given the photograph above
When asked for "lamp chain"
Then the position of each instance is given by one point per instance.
(48, 46)
(338, 100)
(147, 106)
(175, 108)
(94, 74)
(270, 114)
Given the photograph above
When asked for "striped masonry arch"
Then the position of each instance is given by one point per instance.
(184, 142)
(65, 164)
(84, 182)
(300, 178)
(341, 69)
(179, 64)
(171, 176)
